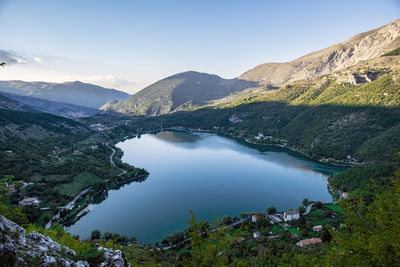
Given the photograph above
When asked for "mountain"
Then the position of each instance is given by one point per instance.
(75, 93)
(361, 47)
(192, 89)
(35, 125)
(183, 90)
(56, 108)
(349, 114)
(10, 104)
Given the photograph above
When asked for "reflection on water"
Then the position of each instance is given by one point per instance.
(206, 173)
(177, 136)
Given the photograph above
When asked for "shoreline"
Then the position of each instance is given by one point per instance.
(85, 210)
(329, 161)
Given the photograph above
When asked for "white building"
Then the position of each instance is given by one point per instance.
(256, 235)
(254, 217)
(30, 201)
(291, 215)
(317, 228)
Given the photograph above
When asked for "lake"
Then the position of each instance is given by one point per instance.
(206, 173)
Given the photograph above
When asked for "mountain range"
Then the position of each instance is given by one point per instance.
(74, 93)
(190, 90)
(361, 47)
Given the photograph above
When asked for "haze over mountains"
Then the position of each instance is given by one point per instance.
(75, 93)
(69, 99)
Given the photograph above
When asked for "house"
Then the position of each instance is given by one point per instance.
(345, 195)
(30, 201)
(259, 136)
(256, 235)
(254, 217)
(309, 242)
(317, 228)
(291, 215)
(77, 153)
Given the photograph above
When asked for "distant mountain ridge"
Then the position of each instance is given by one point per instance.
(53, 107)
(179, 91)
(189, 90)
(10, 104)
(75, 93)
(363, 46)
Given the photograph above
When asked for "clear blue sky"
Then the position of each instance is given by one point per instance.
(130, 44)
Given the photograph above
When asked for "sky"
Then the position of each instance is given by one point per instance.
(128, 45)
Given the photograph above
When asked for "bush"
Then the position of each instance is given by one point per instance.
(271, 210)
(95, 235)
(227, 220)
(92, 255)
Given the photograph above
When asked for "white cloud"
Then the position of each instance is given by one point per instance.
(111, 81)
(37, 60)
(10, 57)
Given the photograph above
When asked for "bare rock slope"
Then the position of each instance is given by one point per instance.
(18, 249)
(363, 46)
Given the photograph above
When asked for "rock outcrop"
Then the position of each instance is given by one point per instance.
(364, 46)
(19, 249)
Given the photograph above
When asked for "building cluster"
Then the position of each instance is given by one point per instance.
(289, 215)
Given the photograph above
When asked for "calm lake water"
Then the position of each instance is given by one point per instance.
(206, 173)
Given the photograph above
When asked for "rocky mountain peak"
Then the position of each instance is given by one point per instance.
(361, 47)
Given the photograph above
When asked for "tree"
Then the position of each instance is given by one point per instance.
(227, 220)
(305, 202)
(133, 240)
(123, 240)
(369, 236)
(271, 210)
(261, 221)
(213, 250)
(95, 235)
(107, 236)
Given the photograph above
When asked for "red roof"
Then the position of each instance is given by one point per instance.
(311, 241)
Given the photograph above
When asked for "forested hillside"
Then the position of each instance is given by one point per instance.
(179, 91)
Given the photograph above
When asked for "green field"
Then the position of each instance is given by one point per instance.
(48, 178)
(79, 183)
(335, 207)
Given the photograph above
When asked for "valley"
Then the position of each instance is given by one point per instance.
(286, 164)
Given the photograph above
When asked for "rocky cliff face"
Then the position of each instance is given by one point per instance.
(361, 47)
(18, 249)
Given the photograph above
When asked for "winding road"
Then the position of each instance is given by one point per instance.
(308, 209)
(69, 206)
(203, 233)
(112, 158)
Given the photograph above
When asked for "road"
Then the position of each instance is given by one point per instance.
(69, 206)
(308, 209)
(203, 233)
(112, 158)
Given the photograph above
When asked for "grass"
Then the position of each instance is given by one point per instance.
(317, 217)
(44, 217)
(294, 230)
(80, 182)
(335, 208)
(55, 177)
(276, 229)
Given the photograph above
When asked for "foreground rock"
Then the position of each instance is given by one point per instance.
(35, 249)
